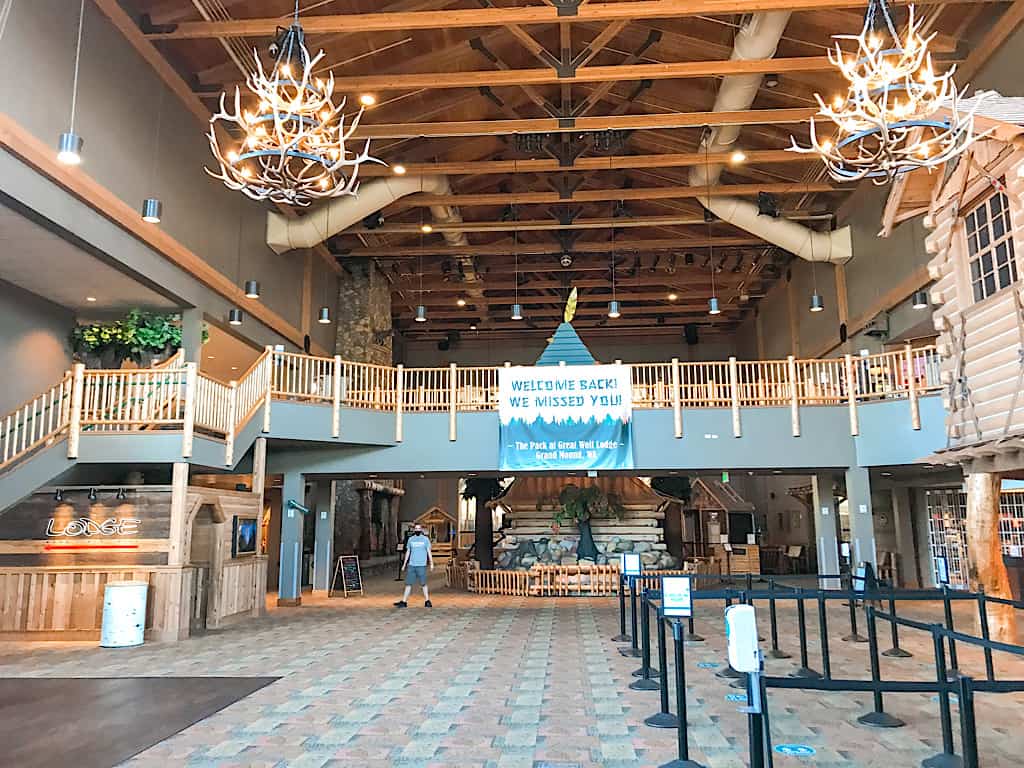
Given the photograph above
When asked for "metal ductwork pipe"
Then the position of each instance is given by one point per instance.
(284, 234)
(759, 39)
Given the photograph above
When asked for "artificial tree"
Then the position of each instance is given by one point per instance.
(138, 336)
(579, 506)
(483, 490)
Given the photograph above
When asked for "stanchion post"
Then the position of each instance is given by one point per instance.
(990, 672)
(633, 650)
(682, 741)
(622, 637)
(947, 758)
(968, 727)
(801, 620)
(879, 717)
(645, 683)
(895, 651)
(826, 661)
(691, 635)
(854, 636)
(775, 652)
(664, 718)
(947, 608)
(755, 723)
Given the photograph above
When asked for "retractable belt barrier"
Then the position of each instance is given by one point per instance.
(944, 635)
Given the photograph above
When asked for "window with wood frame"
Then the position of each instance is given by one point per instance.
(990, 252)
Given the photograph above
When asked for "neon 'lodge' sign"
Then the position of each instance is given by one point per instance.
(84, 526)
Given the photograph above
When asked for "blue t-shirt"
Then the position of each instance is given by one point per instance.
(419, 546)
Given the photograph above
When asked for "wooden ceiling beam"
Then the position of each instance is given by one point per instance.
(535, 249)
(673, 192)
(498, 17)
(596, 163)
(581, 124)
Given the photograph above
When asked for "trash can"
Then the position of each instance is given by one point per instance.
(1015, 570)
(124, 614)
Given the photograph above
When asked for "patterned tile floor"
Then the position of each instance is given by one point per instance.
(496, 682)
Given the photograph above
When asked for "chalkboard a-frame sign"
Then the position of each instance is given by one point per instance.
(347, 571)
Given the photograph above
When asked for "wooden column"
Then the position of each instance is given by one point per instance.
(734, 396)
(984, 554)
(394, 523)
(229, 438)
(188, 427)
(851, 394)
(452, 401)
(75, 417)
(915, 409)
(794, 396)
(269, 395)
(178, 536)
(399, 400)
(677, 410)
(336, 398)
(259, 485)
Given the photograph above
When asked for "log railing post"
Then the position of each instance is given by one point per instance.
(336, 398)
(229, 438)
(851, 394)
(399, 400)
(452, 400)
(677, 408)
(794, 396)
(75, 417)
(189, 416)
(915, 409)
(734, 394)
(269, 394)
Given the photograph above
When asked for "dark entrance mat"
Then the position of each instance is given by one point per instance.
(100, 722)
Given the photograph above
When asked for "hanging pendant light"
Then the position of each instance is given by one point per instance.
(713, 308)
(517, 312)
(517, 308)
(151, 210)
(252, 289)
(920, 300)
(325, 315)
(69, 146)
(421, 314)
(817, 302)
(69, 149)
(235, 316)
(613, 310)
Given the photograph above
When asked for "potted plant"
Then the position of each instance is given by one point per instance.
(579, 506)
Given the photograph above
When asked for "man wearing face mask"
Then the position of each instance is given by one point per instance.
(417, 557)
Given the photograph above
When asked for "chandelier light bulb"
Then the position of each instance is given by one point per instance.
(69, 149)
(460, 302)
(367, 99)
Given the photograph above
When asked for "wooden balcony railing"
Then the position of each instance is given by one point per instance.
(175, 396)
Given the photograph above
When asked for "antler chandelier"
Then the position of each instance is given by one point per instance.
(292, 145)
(889, 121)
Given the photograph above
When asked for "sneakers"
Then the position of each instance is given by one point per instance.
(401, 604)
(428, 604)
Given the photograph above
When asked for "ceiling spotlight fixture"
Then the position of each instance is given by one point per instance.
(151, 210)
(294, 148)
(565, 259)
(920, 300)
(737, 157)
(235, 316)
(771, 80)
(472, 327)
(325, 316)
(69, 146)
(252, 289)
(421, 314)
(398, 169)
(613, 310)
(889, 120)
(713, 308)
(673, 296)
(517, 312)
(460, 302)
(817, 302)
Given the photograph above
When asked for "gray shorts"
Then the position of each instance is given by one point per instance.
(416, 573)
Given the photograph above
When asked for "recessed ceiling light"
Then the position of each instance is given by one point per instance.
(738, 156)
(210, 357)
(673, 296)
(90, 299)
(234, 367)
(367, 99)
(461, 302)
(398, 170)
(426, 228)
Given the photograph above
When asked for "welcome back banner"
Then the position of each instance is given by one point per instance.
(565, 417)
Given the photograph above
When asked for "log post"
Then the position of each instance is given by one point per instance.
(229, 438)
(268, 396)
(677, 409)
(75, 416)
(915, 409)
(851, 394)
(453, 392)
(336, 398)
(734, 396)
(794, 396)
(189, 425)
(985, 566)
(399, 400)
